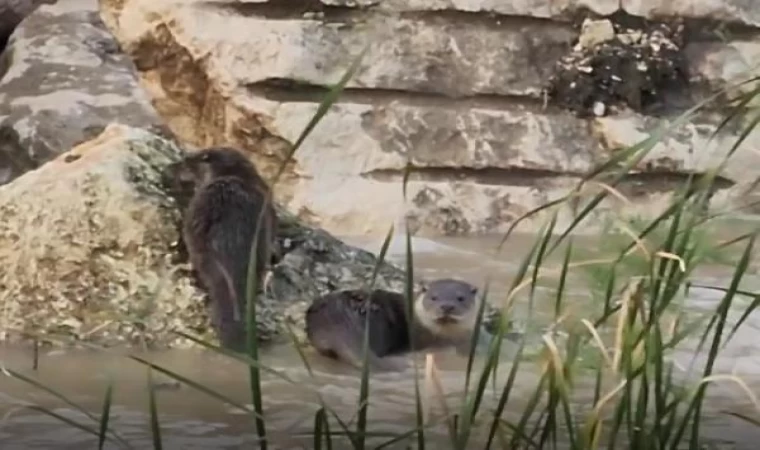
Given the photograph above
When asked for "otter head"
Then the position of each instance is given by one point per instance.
(448, 307)
(205, 165)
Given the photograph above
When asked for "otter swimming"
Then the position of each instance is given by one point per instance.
(218, 230)
(444, 315)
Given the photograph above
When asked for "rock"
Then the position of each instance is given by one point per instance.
(695, 148)
(65, 80)
(94, 257)
(740, 11)
(595, 32)
(736, 11)
(454, 89)
(621, 67)
(723, 63)
(89, 257)
(12, 12)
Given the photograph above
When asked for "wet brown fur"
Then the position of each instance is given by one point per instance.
(219, 225)
(335, 326)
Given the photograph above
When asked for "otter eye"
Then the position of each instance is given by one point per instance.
(434, 298)
(460, 299)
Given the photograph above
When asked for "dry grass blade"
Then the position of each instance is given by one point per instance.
(681, 262)
(599, 343)
(434, 390)
(592, 427)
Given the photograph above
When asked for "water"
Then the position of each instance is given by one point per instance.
(195, 420)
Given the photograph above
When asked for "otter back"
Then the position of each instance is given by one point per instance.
(219, 228)
(337, 320)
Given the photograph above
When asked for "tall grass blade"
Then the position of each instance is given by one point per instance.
(61, 397)
(63, 419)
(197, 386)
(321, 428)
(410, 299)
(240, 357)
(329, 99)
(695, 406)
(507, 390)
(476, 336)
(361, 422)
(155, 426)
(105, 415)
(252, 282)
(254, 375)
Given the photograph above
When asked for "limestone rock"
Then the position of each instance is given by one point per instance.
(695, 148)
(737, 11)
(64, 78)
(12, 12)
(447, 87)
(720, 64)
(88, 250)
(85, 246)
(594, 32)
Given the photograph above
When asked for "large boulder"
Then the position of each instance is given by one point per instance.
(62, 79)
(88, 251)
(456, 88)
(12, 12)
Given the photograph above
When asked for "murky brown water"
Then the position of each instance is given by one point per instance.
(193, 420)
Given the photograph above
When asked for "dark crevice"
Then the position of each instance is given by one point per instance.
(651, 181)
(300, 9)
(289, 10)
(287, 90)
(492, 176)
(697, 28)
(485, 19)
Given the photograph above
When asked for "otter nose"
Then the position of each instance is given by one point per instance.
(448, 309)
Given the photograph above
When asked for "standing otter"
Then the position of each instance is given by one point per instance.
(218, 230)
(444, 315)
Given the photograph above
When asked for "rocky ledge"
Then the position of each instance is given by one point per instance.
(458, 89)
(95, 257)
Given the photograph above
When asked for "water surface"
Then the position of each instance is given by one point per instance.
(193, 420)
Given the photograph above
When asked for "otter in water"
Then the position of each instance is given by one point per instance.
(444, 315)
(218, 230)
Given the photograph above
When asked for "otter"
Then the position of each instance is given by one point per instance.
(444, 315)
(219, 225)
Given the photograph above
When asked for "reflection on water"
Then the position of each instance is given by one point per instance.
(194, 420)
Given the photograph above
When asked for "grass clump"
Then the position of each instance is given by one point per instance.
(623, 341)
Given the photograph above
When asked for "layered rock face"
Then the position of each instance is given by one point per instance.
(457, 89)
(62, 80)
